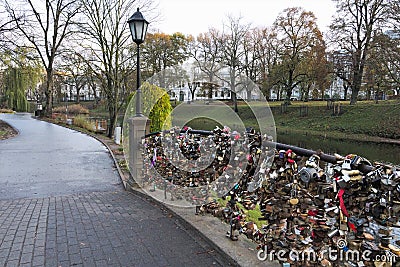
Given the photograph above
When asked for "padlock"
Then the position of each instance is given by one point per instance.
(333, 233)
(342, 222)
(383, 202)
(293, 201)
(308, 175)
(346, 165)
(376, 194)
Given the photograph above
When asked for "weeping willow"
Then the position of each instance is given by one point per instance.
(14, 90)
(16, 83)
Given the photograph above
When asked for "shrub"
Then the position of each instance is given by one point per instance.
(74, 109)
(83, 122)
(159, 113)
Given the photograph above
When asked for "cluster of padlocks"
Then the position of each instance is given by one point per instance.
(343, 212)
(177, 160)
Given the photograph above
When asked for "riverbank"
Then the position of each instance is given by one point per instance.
(366, 121)
(337, 135)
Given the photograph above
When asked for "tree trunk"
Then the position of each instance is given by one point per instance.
(353, 98)
(346, 88)
(94, 95)
(78, 90)
(234, 99)
(49, 92)
(288, 95)
(306, 93)
(192, 95)
(248, 95)
(232, 73)
(355, 88)
(113, 120)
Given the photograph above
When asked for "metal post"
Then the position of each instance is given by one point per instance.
(66, 106)
(138, 91)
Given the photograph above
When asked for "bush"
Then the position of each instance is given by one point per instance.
(156, 106)
(159, 113)
(74, 109)
(83, 122)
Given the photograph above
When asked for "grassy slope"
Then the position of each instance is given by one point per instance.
(361, 121)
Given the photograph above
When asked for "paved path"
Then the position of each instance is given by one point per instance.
(62, 204)
(47, 160)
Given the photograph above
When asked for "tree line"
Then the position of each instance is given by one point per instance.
(91, 39)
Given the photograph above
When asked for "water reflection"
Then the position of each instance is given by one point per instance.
(381, 152)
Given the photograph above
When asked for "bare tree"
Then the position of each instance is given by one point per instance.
(110, 49)
(44, 25)
(383, 65)
(342, 68)
(231, 41)
(6, 26)
(353, 30)
(206, 50)
(251, 58)
(76, 67)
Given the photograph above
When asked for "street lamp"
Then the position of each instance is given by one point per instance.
(138, 26)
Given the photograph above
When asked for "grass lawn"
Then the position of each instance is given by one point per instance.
(365, 118)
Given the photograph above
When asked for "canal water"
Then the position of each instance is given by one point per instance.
(382, 152)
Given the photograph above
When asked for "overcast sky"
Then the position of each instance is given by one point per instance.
(197, 16)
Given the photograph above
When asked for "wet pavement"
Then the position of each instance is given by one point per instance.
(62, 204)
(47, 160)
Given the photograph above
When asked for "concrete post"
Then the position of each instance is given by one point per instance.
(117, 135)
(137, 129)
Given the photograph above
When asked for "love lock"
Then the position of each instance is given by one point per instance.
(305, 198)
(308, 175)
(313, 162)
(346, 165)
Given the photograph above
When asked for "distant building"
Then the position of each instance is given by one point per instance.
(216, 90)
(274, 94)
(88, 90)
(184, 94)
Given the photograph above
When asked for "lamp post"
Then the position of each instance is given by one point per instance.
(138, 26)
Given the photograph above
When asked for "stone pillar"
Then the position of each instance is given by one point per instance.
(137, 129)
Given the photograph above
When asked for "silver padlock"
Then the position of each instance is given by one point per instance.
(346, 165)
(383, 202)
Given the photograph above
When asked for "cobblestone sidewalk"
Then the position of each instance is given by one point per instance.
(117, 228)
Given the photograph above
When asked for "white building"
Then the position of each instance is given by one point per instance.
(89, 91)
(185, 94)
(219, 89)
(274, 94)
